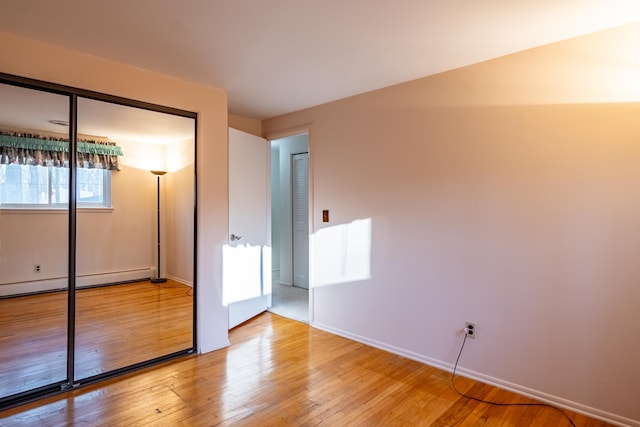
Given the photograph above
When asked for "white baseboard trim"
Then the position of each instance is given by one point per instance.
(179, 280)
(506, 385)
(60, 283)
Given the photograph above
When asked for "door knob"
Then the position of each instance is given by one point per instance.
(235, 238)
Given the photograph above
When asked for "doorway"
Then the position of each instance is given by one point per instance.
(290, 226)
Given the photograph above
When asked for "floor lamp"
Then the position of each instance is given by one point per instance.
(158, 279)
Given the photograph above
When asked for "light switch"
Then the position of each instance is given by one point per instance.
(325, 215)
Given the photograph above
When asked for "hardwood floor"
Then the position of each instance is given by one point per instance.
(280, 372)
(116, 326)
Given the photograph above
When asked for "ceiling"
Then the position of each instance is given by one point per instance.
(278, 56)
(23, 109)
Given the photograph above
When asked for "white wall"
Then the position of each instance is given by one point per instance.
(275, 207)
(493, 198)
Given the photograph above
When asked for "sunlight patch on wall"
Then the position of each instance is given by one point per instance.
(341, 253)
(246, 272)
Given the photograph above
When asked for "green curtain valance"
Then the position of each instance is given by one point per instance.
(19, 148)
(84, 146)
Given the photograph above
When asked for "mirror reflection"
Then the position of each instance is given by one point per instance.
(34, 190)
(123, 317)
(134, 244)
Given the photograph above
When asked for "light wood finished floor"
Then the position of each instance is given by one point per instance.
(116, 326)
(280, 372)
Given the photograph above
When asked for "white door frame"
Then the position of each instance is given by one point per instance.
(306, 129)
(300, 224)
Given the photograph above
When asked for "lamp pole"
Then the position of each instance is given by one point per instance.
(158, 279)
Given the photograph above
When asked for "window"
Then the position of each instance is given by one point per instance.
(42, 187)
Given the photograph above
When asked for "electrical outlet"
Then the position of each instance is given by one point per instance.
(36, 268)
(470, 329)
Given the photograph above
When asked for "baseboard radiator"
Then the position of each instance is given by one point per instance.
(86, 281)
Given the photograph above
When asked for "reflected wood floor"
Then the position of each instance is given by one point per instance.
(280, 372)
(116, 326)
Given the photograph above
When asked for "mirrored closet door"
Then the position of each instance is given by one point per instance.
(34, 218)
(97, 236)
(134, 299)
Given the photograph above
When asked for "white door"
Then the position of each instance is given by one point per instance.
(300, 201)
(247, 256)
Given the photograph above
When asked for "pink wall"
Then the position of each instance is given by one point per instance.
(500, 196)
(45, 62)
(245, 124)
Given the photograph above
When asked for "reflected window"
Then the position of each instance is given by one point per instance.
(94, 187)
(44, 187)
(34, 170)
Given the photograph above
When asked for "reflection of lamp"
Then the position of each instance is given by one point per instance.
(158, 279)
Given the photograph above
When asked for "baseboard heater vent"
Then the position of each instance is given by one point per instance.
(87, 281)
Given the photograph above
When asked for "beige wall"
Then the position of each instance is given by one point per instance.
(28, 239)
(119, 239)
(179, 228)
(45, 62)
(246, 124)
(506, 194)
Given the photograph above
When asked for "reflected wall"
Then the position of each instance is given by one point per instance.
(34, 219)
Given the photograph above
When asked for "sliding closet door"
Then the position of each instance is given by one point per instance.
(34, 242)
(135, 275)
